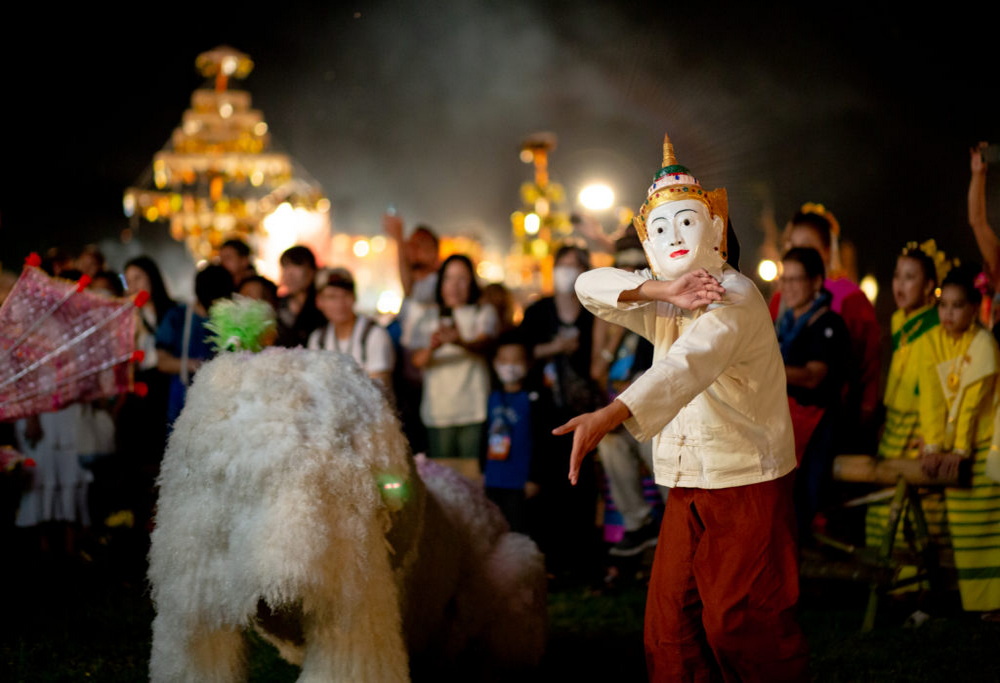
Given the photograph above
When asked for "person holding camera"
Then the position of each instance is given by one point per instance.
(449, 340)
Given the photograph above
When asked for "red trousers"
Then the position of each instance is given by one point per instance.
(724, 587)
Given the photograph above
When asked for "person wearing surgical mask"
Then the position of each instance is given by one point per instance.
(559, 331)
(517, 434)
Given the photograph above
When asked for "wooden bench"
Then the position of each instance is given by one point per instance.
(879, 567)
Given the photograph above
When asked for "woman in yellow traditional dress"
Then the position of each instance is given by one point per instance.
(957, 365)
(913, 284)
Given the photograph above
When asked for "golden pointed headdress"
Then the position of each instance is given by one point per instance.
(820, 210)
(674, 182)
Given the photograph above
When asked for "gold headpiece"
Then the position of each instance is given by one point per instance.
(834, 269)
(942, 264)
(674, 182)
(820, 210)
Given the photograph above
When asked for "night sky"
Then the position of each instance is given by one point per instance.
(866, 108)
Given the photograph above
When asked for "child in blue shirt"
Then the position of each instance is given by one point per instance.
(515, 423)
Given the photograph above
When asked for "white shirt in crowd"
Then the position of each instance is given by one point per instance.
(425, 289)
(369, 344)
(456, 382)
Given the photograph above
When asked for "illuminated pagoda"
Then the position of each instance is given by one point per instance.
(541, 223)
(218, 176)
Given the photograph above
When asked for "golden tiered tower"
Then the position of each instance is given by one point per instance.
(541, 223)
(218, 177)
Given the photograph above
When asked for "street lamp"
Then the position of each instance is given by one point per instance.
(597, 197)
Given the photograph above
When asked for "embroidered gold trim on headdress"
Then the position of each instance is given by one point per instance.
(674, 182)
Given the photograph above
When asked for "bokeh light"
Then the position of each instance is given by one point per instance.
(389, 302)
(597, 197)
(361, 248)
(869, 285)
(767, 270)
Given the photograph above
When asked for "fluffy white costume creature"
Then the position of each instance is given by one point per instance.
(289, 502)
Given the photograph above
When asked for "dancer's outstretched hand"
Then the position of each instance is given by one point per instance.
(588, 430)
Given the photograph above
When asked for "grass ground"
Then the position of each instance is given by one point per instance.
(91, 622)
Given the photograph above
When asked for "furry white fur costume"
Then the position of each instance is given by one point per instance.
(289, 502)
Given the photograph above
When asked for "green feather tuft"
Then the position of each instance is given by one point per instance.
(240, 324)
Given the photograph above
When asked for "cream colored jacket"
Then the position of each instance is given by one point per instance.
(714, 400)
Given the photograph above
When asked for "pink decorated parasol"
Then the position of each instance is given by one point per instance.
(60, 343)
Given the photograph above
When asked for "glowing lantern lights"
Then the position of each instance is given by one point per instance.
(541, 223)
(217, 178)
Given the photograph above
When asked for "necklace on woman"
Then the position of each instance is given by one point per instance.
(954, 377)
(955, 372)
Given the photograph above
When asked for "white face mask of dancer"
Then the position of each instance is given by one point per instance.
(509, 373)
(564, 278)
(683, 236)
